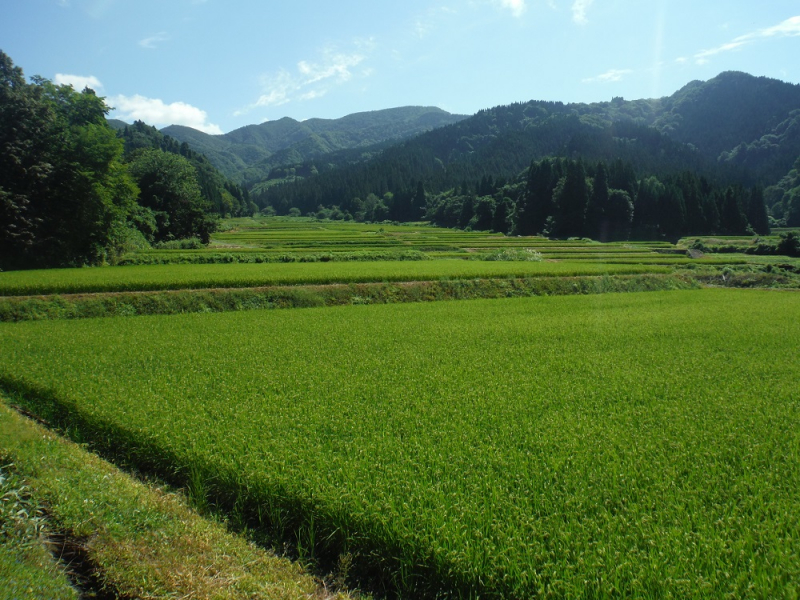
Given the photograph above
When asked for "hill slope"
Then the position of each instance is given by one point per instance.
(734, 128)
(249, 153)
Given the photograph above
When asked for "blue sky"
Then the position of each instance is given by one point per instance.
(217, 65)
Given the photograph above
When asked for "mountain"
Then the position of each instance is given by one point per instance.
(719, 114)
(248, 154)
(734, 128)
(116, 124)
(223, 196)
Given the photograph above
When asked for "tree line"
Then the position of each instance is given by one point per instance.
(73, 192)
(564, 197)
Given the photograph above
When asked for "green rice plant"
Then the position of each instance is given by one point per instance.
(617, 445)
(175, 277)
(125, 538)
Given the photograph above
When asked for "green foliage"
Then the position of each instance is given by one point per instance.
(513, 254)
(169, 189)
(567, 198)
(222, 195)
(27, 569)
(617, 468)
(65, 196)
(181, 244)
(789, 244)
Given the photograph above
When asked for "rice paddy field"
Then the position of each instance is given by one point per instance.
(182, 276)
(639, 444)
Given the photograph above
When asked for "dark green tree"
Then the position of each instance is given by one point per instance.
(732, 218)
(571, 198)
(756, 211)
(169, 188)
(791, 207)
(618, 217)
(671, 217)
(467, 211)
(536, 201)
(501, 221)
(597, 221)
(65, 196)
(484, 214)
(646, 209)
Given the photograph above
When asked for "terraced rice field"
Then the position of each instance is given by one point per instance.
(632, 445)
(182, 276)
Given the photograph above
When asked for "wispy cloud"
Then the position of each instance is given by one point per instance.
(156, 112)
(517, 7)
(788, 28)
(609, 76)
(153, 41)
(312, 79)
(94, 8)
(429, 20)
(79, 82)
(579, 9)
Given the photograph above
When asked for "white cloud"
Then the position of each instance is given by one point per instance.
(313, 94)
(517, 7)
(312, 79)
(156, 112)
(152, 42)
(579, 8)
(788, 28)
(79, 82)
(609, 76)
(333, 65)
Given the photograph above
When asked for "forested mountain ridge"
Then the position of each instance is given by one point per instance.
(223, 196)
(733, 130)
(247, 154)
(719, 126)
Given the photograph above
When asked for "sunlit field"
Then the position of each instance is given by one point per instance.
(642, 445)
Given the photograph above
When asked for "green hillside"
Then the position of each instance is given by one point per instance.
(248, 154)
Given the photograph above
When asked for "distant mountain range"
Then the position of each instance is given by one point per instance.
(247, 155)
(735, 128)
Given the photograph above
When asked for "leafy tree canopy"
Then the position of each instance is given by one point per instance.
(65, 195)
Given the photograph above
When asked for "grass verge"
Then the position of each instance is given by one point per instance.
(27, 568)
(37, 308)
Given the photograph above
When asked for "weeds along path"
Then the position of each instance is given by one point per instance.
(74, 306)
